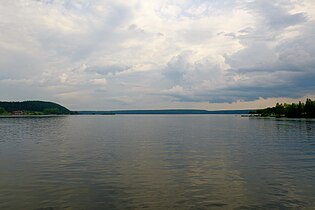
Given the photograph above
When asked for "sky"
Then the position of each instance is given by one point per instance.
(157, 54)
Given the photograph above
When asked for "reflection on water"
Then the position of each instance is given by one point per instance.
(156, 162)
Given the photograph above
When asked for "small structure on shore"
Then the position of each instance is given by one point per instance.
(17, 112)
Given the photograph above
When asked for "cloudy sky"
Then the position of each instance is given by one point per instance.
(140, 54)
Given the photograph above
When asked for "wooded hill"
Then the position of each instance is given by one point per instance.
(33, 107)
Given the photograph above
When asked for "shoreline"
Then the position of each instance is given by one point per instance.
(282, 118)
(30, 116)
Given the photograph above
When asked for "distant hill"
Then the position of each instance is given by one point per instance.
(39, 107)
(44, 107)
(165, 111)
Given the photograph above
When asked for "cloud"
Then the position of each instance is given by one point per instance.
(101, 81)
(275, 15)
(107, 70)
(142, 53)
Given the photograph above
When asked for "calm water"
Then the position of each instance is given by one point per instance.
(157, 162)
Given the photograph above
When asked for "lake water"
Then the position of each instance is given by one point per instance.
(157, 162)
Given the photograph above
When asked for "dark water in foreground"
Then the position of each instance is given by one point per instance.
(157, 162)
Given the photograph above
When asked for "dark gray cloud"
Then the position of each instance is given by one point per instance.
(275, 15)
(105, 70)
(177, 67)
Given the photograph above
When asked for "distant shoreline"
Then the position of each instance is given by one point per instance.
(31, 116)
(164, 112)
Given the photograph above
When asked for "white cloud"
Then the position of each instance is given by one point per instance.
(101, 82)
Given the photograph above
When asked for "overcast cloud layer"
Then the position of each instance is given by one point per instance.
(121, 54)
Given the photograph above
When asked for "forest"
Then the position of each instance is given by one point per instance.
(294, 110)
(33, 108)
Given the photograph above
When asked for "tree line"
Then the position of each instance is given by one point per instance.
(33, 107)
(294, 110)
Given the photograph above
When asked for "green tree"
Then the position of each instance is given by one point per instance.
(52, 111)
(290, 110)
(2, 111)
(279, 110)
(309, 108)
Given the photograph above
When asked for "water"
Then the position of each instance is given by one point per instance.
(157, 162)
